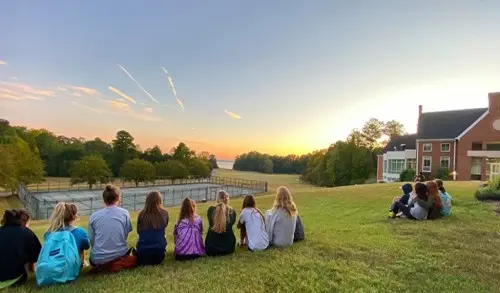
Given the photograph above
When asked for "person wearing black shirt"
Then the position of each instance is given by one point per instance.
(19, 248)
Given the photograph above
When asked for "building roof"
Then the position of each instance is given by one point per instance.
(447, 124)
(408, 140)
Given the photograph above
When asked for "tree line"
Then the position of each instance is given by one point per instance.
(27, 155)
(345, 162)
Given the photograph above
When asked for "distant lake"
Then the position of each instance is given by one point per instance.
(223, 164)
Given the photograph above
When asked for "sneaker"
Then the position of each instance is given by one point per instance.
(392, 215)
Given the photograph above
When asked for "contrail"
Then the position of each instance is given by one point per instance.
(233, 115)
(171, 81)
(138, 84)
(123, 95)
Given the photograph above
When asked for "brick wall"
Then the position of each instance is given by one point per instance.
(435, 154)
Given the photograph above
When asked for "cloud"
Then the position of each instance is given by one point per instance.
(62, 89)
(123, 95)
(18, 92)
(171, 81)
(119, 105)
(149, 110)
(77, 94)
(3, 62)
(180, 103)
(138, 84)
(84, 90)
(14, 78)
(233, 115)
(85, 107)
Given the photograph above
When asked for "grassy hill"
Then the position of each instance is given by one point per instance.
(351, 246)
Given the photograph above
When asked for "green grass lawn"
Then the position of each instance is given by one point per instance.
(351, 246)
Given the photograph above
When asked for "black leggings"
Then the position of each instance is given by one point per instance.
(150, 257)
(404, 209)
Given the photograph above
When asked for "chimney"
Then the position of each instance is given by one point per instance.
(494, 102)
(419, 114)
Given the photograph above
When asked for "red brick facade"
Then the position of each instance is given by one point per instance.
(380, 164)
(435, 154)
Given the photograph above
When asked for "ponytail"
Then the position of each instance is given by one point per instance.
(63, 214)
(220, 217)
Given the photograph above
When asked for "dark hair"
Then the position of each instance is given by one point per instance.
(188, 210)
(111, 194)
(11, 218)
(248, 202)
(421, 190)
(153, 214)
(24, 216)
(440, 184)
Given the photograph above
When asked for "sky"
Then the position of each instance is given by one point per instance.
(273, 76)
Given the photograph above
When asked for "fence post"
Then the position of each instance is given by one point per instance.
(48, 186)
(59, 186)
(164, 197)
(91, 204)
(135, 200)
(173, 197)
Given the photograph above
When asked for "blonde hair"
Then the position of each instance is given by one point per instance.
(284, 200)
(221, 212)
(62, 216)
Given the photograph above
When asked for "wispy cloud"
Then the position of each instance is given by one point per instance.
(121, 94)
(88, 108)
(233, 115)
(172, 85)
(119, 105)
(14, 78)
(24, 88)
(138, 84)
(84, 90)
(149, 110)
(3, 62)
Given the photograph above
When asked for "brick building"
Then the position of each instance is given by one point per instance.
(467, 142)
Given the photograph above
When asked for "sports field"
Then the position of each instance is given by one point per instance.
(351, 246)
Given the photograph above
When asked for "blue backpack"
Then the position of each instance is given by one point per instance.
(59, 260)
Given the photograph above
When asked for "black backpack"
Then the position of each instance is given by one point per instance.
(299, 230)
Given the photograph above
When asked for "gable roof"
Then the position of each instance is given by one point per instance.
(396, 142)
(447, 124)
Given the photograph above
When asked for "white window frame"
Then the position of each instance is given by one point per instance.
(424, 158)
(427, 144)
(449, 161)
(449, 147)
(385, 166)
(414, 163)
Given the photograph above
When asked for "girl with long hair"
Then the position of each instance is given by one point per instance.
(220, 238)
(446, 198)
(418, 207)
(281, 219)
(435, 200)
(253, 226)
(62, 219)
(151, 224)
(188, 233)
(19, 248)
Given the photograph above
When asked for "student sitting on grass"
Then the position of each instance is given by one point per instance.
(404, 199)
(281, 219)
(151, 224)
(19, 248)
(252, 226)
(220, 238)
(418, 208)
(435, 200)
(108, 232)
(446, 198)
(188, 233)
(62, 219)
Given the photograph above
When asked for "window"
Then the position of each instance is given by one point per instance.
(445, 147)
(493, 147)
(411, 164)
(385, 167)
(477, 146)
(444, 162)
(426, 164)
(427, 147)
(395, 166)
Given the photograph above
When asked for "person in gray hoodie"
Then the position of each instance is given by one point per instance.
(281, 220)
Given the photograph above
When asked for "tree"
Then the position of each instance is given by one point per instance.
(153, 155)
(124, 149)
(8, 179)
(90, 169)
(138, 170)
(172, 169)
(212, 160)
(183, 154)
(27, 162)
(393, 128)
(198, 168)
(348, 163)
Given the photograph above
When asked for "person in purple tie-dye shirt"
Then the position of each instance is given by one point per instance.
(188, 233)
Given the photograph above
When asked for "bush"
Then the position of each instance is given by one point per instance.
(172, 169)
(407, 175)
(491, 191)
(442, 173)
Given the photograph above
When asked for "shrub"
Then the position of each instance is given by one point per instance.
(490, 191)
(407, 175)
(172, 169)
(442, 173)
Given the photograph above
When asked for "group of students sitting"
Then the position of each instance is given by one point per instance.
(422, 201)
(63, 253)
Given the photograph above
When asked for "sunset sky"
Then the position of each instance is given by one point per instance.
(272, 76)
